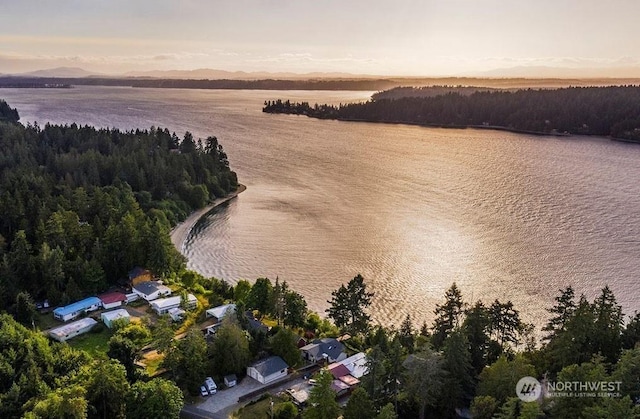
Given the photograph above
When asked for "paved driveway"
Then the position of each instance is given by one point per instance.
(225, 402)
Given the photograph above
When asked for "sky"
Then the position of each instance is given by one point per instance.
(390, 37)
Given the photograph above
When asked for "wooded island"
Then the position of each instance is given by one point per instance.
(602, 111)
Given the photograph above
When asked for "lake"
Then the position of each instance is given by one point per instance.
(506, 216)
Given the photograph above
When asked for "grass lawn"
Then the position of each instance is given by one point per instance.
(46, 321)
(96, 344)
(152, 361)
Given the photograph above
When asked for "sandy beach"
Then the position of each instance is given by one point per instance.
(180, 232)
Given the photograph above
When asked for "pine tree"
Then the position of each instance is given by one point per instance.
(448, 316)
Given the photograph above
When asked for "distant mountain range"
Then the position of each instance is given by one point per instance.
(514, 77)
(213, 74)
(59, 72)
(199, 74)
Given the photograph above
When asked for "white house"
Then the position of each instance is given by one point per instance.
(219, 313)
(73, 329)
(151, 290)
(109, 317)
(268, 370)
(72, 311)
(112, 300)
(163, 305)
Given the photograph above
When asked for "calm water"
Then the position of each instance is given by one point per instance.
(413, 209)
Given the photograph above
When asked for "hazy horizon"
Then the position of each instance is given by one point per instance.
(406, 38)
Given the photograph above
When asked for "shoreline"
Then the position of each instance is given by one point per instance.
(182, 230)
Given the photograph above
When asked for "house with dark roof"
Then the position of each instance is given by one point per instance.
(268, 370)
(138, 274)
(151, 290)
(255, 324)
(326, 349)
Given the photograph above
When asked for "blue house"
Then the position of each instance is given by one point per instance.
(73, 310)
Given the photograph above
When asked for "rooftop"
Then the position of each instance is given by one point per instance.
(112, 297)
(115, 314)
(172, 301)
(270, 365)
(220, 311)
(72, 327)
(77, 306)
(147, 287)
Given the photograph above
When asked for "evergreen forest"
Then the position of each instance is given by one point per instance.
(80, 206)
(602, 111)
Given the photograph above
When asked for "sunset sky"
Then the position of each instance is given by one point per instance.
(400, 37)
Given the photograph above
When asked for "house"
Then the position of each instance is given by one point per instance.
(72, 311)
(339, 388)
(151, 290)
(255, 324)
(163, 305)
(356, 364)
(338, 370)
(131, 297)
(268, 370)
(176, 314)
(300, 342)
(341, 372)
(138, 274)
(108, 317)
(73, 329)
(219, 313)
(230, 380)
(112, 300)
(327, 349)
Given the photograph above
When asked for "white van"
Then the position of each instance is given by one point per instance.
(211, 385)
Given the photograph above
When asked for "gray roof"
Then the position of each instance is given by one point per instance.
(330, 346)
(147, 287)
(270, 365)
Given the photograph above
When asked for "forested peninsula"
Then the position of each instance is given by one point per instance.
(602, 111)
(80, 206)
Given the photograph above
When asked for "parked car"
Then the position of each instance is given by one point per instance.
(203, 391)
(210, 385)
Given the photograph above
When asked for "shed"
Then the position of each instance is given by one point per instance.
(176, 314)
(73, 329)
(72, 311)
(109, 317)
(230, 380)
(268, 370)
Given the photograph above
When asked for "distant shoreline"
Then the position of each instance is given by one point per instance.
(453, 126)
(180, 232)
